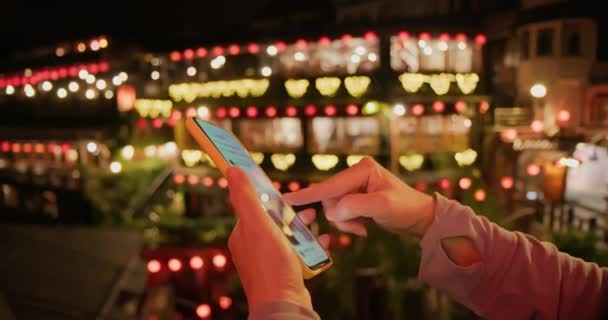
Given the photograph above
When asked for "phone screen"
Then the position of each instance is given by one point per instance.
(282, 214)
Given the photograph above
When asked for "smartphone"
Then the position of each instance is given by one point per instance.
(226, 150)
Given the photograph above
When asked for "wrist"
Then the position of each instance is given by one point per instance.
(300, 297)
(427, 216)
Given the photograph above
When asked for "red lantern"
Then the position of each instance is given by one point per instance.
(301, 44)
(293, 186)
(175, 56)
(234, 112)
(291, 111)
(310, 110)
(460, 106)
(188, 54)
(438, 106)
(533, 169)
(196, 263)
(444, 184)
(222, 183)
(190, 112)
(346, 38)
(460, 37)
(125, 97)
(174, 265)
(465, 183)
(219, 260)
(324, 41)
(208, 182)
(201, 53)
(444, 37)
(276, 185)
(563, 116)
(484, 106)
(251, 112)
(507, 182)
(537, 126)
(271, 111)
(253, 48)
(331, 110)
(179, 178)
(403, 36)
(480, 40)
(221, 112)
(418, 109)
(157, 123)
(281, 46)
(479, 195)
(193, 179)
(154, 266)
(352, 109)
(234, 49)
(225, 302)
(508, 135)
(344, 240)
(425, 36)
(203, 311)
(217, 50)
(370, 36)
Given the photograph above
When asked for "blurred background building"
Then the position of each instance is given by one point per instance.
(501, 106)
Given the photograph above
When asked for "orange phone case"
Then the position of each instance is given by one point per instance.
(201, 138)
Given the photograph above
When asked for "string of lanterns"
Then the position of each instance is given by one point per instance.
(356, 86)
(439, 83)
(36, 76)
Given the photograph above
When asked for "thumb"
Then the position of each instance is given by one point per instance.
(243, 196)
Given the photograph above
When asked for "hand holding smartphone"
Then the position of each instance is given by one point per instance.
(226, 150)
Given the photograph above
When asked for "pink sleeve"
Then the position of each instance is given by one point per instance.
(518, 277)
(282, 310)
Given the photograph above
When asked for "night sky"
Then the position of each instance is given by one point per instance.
(169, 25)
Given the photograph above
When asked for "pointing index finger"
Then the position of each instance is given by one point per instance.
(344, 182)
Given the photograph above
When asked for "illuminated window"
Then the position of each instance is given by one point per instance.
(357, 135)
(271, 135)
(544, 42)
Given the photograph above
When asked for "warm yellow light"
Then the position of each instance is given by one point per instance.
(440, 83)
(47, 86)
(62, 93)
(465, 158)
(73, 86)
(412, 82)
(266, 71)
(83, 74)
(71, 155)
(191, 71)
(328, 86)
(399, 109)
(90, 79)
(191, 157)
(108, 94)
(538, 90)
(569, 162)
(412, 162)
(243, 88)
(283, 161)
(115, 167)
(296, 88)
(371, 107)
(153, 108)
(150, 151)
(272, 50)
(29, 91)
(325, 162)
(357, 85)
(257, 157)
(127, 152)
(155, 75)
(218, 62)
(103, 42)
(101, 84)
(9, 90)
(203, 112)
(123, 76)
(467, 82)
(353, 159)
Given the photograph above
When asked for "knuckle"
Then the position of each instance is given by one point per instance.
(367, 163)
